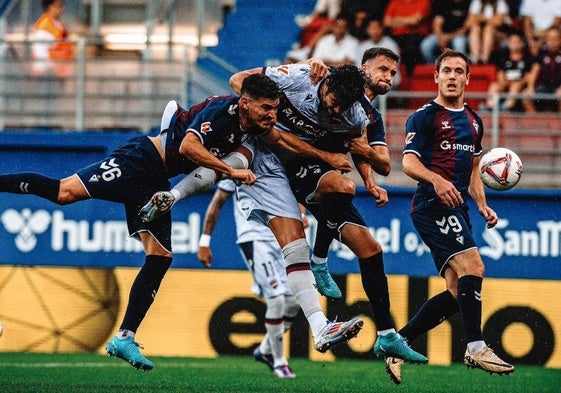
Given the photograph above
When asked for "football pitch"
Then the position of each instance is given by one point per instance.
(67, 373)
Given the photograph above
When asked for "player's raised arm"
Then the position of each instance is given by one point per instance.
(237, 79)
(295, 145)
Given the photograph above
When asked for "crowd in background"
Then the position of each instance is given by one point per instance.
(521, 38)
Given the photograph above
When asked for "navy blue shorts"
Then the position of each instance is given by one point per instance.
(130, 175)
(445, 230)
(304, 177)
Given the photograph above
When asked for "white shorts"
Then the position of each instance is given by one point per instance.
(265, 262)
(270, 196)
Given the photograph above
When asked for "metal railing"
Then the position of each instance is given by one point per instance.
(129, 92)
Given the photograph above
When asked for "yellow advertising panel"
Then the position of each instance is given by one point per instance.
(205, 313)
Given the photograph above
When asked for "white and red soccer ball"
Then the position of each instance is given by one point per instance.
(500, 169)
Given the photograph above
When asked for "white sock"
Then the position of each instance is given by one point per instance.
(317, 260)
(386, 332)
(302, 281)
(202, 179)
(476, 346)
(124, 333)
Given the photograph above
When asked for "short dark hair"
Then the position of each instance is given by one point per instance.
(260, 86)
(347, 83)
(374, 52)
(446, 53)
(47, 3)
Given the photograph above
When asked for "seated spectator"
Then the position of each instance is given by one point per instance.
(538, 16)
(449, 29)
(486, 19)
(513, 65)
(338, 47)
(50, 50)
(357, 27)
(545, 75)
(409, 23)
(377, 38)
(318, 23)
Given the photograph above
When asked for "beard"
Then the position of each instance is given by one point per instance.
(377, 88)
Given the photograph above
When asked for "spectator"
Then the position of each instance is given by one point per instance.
(338, 47)
(50, 50)
(409, 22)
(545, 75)
(319, 22)
(513, 64)
(486, 18)
(449, 29)
(538, 16)
(377, 38)
(357, 26)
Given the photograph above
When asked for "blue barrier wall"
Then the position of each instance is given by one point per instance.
(33, 231)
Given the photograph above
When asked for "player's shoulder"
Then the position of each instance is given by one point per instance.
(426, 111)
(472, 112)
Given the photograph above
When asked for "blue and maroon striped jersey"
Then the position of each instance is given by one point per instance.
(215, 121)
(445, 140)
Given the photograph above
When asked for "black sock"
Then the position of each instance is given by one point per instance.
(144, 289)
(333, 207)
(375, 284)
(31, 183)
(469, 302)
(432, 313)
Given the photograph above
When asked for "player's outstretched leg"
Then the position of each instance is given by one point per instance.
(160, 203)
(127, 349)
(394, 345)
(488, 361)
(337, 332)
(393, 368)
(325, 284)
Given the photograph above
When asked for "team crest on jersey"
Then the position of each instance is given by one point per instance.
(476, 126)
(205, 127)
(409, 137)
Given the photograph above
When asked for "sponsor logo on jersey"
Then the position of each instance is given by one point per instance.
(447, 145)
(446, 125)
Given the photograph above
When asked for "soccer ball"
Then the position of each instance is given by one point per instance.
(500, 169)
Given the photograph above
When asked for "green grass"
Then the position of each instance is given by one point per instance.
(69, 373)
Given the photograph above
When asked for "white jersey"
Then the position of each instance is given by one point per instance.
(300, 111)
(246, 230)
(260, 251)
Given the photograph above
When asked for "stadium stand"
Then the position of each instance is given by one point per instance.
(259, 32)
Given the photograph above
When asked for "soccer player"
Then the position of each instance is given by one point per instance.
(326, 192)
(207, 134)
(263, 258)
(442, 152)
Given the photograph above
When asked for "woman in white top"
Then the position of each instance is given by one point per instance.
(484, 20)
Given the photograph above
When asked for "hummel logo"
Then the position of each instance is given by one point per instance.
(24, 187)
(477, 295)
(94, 179)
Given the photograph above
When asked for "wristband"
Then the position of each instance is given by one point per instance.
(204, 240)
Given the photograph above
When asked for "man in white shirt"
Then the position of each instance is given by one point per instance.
(337, 48)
